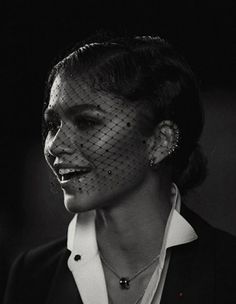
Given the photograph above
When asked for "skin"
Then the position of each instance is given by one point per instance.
(104, 138)
(132, 200)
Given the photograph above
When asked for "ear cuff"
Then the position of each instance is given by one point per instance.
(175, 144)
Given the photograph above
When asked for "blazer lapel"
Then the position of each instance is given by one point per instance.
(190, 276)
(63, 288)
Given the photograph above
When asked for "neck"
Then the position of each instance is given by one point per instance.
(132, 230)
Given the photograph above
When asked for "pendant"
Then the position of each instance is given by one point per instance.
(124, 283)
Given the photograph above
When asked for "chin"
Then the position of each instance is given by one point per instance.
(78, 203)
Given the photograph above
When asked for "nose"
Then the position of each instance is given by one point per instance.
(60, 143)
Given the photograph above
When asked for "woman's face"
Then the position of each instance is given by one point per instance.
(93, 145)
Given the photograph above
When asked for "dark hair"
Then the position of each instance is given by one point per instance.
(146, 69)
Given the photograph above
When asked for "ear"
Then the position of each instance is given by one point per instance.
(162, 142)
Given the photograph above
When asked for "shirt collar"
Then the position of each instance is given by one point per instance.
(88, 272)
(178, 230)
(84, 261)
(82, 234)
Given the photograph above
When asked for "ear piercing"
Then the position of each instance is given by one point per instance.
(172, 149)
(165, 150)
(151, 163)
(176, 140)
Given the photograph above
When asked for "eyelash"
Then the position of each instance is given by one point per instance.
(84, 123)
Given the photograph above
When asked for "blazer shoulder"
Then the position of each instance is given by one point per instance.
(209, 235)
(212, 258)
(46, 252)
(225, 238)
(225, 267)
(225, 248)
(40, 259)
(32, 271)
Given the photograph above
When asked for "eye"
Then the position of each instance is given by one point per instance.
(86, 123)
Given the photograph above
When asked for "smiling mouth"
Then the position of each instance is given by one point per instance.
(68, 174)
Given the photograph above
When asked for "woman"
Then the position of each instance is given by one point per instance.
(122, 125)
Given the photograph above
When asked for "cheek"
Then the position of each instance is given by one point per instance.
(117, 155)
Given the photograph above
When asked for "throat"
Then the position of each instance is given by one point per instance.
(127, 289)
(134, 245)
(132, 230)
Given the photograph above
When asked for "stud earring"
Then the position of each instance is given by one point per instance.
(172, 149)
(151, 163)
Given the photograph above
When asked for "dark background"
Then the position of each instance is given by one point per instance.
(203, 31)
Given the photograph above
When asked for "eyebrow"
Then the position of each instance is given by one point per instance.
(74, 109)
(82, 108)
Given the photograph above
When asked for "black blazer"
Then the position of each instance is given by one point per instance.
(200, 272)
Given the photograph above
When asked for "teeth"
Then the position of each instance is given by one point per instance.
(66, 171)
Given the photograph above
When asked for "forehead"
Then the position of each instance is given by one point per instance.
(68, 92)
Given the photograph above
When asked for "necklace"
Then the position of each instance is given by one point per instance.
(125, 281)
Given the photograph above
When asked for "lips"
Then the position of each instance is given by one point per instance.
(66, 173)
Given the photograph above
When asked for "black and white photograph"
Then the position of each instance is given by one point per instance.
(118, 152)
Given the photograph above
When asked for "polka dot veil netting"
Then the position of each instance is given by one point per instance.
(93, 140)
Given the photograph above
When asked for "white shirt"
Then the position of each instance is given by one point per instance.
(85, 263)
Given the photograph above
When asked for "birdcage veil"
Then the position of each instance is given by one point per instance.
(140, 81)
